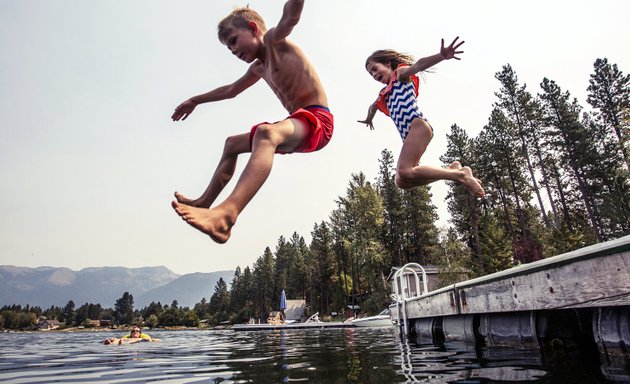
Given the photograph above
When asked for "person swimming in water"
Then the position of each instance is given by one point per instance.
(134, 336)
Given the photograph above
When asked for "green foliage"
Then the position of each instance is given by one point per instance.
(321, 267)
(190, 319)
(17, 318)
(123, 309)
(609, 94)
(345, 284)
(171, 317)
(154, 309)
(453, 259)
(152, 321)
(496, 248)
(68, 312)
(562, 240)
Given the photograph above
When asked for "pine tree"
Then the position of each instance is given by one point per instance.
(454, 259)
(297, 267)
(574, 145)
(359, 217)
(123, 309)
(68, 313)
(393, 212)
(220, 301)
(500, 140)
(321, 267)
(609, 93)
(263, 283)
(496, 247)
(419, 233)
(518, 106)
(282, 268)
(462, 206)
(242, 295)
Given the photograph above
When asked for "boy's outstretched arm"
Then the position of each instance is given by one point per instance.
(446, 53)
(290, 17)
(221, 93)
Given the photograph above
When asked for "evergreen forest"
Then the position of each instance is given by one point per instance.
(556, 176)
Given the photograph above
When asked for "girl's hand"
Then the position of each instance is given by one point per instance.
(367, 122)
(450, 51)
(183, 110)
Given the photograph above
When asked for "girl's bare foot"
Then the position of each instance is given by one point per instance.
(455, 165)
(193, 203)
(471, 183)
(216, 222)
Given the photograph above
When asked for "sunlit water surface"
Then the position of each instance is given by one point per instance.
(351, 355)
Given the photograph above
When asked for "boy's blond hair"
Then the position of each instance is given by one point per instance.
(240, 18)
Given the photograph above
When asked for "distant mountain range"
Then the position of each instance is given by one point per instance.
(46, 286)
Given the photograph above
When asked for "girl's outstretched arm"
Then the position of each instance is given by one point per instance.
(446, 53)
(370, 116)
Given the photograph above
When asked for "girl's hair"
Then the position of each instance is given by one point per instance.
(240, 18)
(389, 56)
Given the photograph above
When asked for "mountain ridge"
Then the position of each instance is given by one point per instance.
(46, 286)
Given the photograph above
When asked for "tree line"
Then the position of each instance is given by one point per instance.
(556, 178)
(154, 315)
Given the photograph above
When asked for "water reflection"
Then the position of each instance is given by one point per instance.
(366, 355)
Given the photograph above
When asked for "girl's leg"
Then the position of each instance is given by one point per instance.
(410, 174)
(234, 146)
(218, 221)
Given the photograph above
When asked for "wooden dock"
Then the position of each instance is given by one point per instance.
(595, 276)
(590, 285)
(267, 327)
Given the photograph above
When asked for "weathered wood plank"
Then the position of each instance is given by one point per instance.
(583, 281)
(594, 251)
(593, 276)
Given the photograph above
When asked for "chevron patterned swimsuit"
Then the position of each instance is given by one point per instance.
(403, 107)
(400, 100)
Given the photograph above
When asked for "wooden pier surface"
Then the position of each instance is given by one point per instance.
(594, 276)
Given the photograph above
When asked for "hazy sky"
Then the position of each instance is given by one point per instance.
(89, 157)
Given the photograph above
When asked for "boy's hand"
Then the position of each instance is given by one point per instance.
(183, 110)
(450, 51)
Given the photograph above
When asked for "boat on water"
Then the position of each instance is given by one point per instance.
(383, 319)
(313, 322)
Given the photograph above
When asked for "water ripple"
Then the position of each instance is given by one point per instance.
(371, 355)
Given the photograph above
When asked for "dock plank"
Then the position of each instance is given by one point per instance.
(584, 281)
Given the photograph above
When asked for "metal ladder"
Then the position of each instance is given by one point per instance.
(401, 298)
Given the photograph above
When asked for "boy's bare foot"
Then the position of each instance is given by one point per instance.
(471, 183)
(216, 222)
(193, 203)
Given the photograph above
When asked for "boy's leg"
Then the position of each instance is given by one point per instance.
(217, 222)
(234, 146)
(409, 174)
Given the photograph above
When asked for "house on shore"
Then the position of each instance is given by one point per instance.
(47, 325)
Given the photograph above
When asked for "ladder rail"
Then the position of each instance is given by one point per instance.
(401, 297)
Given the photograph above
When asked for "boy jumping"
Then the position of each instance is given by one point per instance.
(293, 79)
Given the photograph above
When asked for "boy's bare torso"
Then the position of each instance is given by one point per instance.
(290, 75)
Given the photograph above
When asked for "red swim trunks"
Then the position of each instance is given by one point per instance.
(320, 122)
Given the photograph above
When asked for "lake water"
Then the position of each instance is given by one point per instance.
(350, 355)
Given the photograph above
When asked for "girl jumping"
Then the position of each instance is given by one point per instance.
(398, 100)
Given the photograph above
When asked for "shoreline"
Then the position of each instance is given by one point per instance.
(121, 329)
